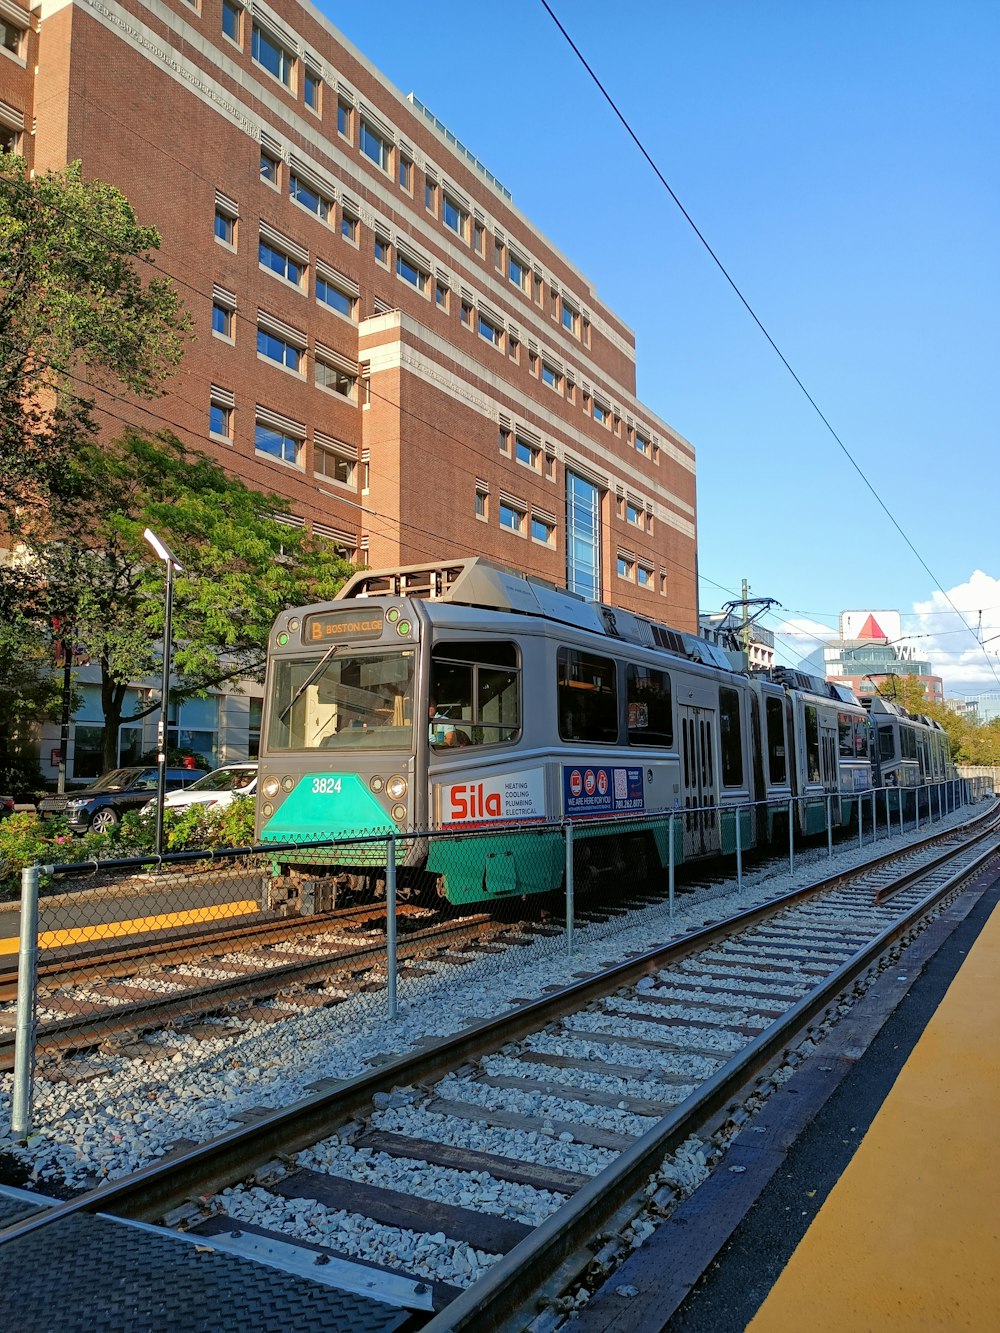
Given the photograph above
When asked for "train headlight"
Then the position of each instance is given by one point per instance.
(399, 813)
(396, 788)
(376, 785)
(271, 787)
(287, 783)
(267, 809)
(293, 624)
(403, 628)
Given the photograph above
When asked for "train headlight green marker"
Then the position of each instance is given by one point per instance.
(282, 640)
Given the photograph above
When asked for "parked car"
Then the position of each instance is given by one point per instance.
(218, 788)
(6, 806)
(100, 806)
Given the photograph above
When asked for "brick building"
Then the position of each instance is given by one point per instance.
(382, 338)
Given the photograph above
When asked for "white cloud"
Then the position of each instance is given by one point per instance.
(965, 659)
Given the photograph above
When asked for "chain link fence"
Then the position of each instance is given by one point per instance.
(232, 956)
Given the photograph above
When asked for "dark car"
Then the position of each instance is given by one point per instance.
(99, 807)
(6, 806)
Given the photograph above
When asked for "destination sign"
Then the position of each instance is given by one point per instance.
(329, 626)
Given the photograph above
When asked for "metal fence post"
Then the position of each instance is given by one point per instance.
(570, 898)
(901, 790)
(829, 826)
(390, 924)
(791, 836)
(739, 852)
(874, 818)
(27, 997)
(670, 863)
(861, 824)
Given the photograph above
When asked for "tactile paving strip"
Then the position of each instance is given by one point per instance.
(90, 1274)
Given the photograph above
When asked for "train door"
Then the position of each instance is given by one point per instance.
(829, 740)
(698, 779)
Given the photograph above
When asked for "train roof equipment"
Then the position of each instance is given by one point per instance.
(478, 582)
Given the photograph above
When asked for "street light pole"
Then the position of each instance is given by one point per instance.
(171, 563)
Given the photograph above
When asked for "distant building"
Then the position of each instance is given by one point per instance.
(726, 630)
(871, 650)
(984, 707)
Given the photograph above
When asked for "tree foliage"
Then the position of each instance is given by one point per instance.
(92, 569)
(78, 309)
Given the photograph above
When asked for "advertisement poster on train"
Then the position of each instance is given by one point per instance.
(591, 790)
(504, 797)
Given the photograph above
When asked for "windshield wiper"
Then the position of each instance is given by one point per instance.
(316, 672)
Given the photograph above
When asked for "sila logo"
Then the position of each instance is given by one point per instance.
(475, 802)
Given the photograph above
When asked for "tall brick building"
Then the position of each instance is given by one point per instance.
(382, 338)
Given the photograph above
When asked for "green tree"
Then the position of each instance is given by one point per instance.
(92, 568)
(78, 311)
(29, 694)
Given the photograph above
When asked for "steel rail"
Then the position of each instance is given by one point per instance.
(154, 1190)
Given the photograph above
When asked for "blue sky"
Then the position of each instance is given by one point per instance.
(842, 161)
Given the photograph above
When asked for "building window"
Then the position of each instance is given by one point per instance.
(269, 53)
(232, 21)
(344, 119)
(276, 261)
(9, 138)
(498, 249)
(349, 227)
(514, 348)
(430, 195)
(336, 297)
(527, 453)
(626, 568)
(374, 146)
(644, 576)
(334, 463)
(441, 295)
(571, 319)
(602, 414)
(278, 443)
(551, 377)
(411, 273)
(467, 314)
(543, 530)
(490, 331)
(334, 379)
(633, 514)
(381, 250)
(308, 198)
(482, 504)
(313, 84)
(583, 536)
(455, 217)
(279, 349)
(519, 273)
(513, 517)
(222, 320)
(642, 444)
(225, 224)
(503, 439)
(220, 418)
(269, 168)
(479, 238)
(406, 173)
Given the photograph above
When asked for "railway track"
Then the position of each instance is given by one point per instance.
(456, 1181)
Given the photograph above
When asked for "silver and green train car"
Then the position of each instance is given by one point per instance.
(464, 698)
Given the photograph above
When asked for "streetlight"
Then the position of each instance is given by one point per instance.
(164, 553)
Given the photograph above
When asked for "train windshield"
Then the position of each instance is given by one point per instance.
(342, 701)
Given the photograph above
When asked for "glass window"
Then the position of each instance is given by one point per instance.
(344, 119)
(349, 226)
(490, 331)
(570, 319)
(283, 265)
(267, 440)
(518, 272)
(475, 693)
(511, 517)
(774, 716)
(336, 380)
(583, 536)
(812, 744)
(278, 349)
(225, 227)
(342, 701)
(344, 302)
(479, 238)
(455, 217)
(650, 707)
(441, 295)
(482, 502)
(601, 413)
(466, 314)
(381, 249)
(730, 738)
(222, 320)
(307, 197)
(642, 444)
(334, 466)
(272, 56)
(503, 440)
(542, 531)
(551, 377)
(886, 743)
(232, 20)
(312, 89)
(269, 167)
(374, 146)
(409, 272)
(644, 576)
(526, 453)
(430, 196)
(626, 568)
(587, 697)
(405, 173)
(220, 418)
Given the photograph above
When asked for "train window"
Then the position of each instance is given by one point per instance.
(812, 744)
(774, 715)
(845, 735)
(341, 700)
(908, 741)
(588, 697)
(650, 710)
(475, 690)
(731, 738)
(886, 743)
